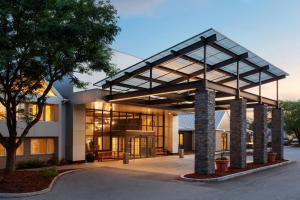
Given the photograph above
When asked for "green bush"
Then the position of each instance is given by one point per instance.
(30, 164)
(52, 161)
(90, 157)
(49, 171)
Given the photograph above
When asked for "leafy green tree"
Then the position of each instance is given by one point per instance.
(43, 41)
(292, 117)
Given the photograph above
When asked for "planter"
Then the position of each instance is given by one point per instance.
(222, 166)
(126, 158)
(90, 157)
(181, 153)
(272, 157)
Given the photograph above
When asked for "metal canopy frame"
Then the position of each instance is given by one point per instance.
(208, 60)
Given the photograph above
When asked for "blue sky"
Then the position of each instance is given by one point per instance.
(270, 28)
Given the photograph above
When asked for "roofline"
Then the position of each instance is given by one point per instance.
(153, 55)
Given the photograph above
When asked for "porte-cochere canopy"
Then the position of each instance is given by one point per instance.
(170, 78)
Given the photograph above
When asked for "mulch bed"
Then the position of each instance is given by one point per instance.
(24, 181)
(231, 170)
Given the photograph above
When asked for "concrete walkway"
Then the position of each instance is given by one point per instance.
(172, 165)
(116, 184)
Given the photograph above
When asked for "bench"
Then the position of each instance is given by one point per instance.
(106, 155)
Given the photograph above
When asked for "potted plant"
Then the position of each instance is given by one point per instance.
(222, 163)
(90, 157)
(272, 156)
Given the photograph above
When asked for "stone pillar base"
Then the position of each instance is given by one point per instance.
(277, 132)
(260, 154)
(238, 127)
(205, 135)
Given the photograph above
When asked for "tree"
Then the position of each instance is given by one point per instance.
(43, 41)
(292, 117)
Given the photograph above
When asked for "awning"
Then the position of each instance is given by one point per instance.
(171, 76)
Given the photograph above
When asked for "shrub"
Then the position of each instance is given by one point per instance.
(52, 161)
(30, 164)
(49, 171)
(63, 162)
(90, 157)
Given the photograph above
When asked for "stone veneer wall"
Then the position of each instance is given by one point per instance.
(260, 154)
(205, 132)
(238, 127)
(277, 132)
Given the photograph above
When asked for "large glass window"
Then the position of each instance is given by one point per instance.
(114, 145)
(42, 146)
(100, 143)
(102, 125)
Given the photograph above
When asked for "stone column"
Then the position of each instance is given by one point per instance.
(205, 135)
(277, 132)
(238, 126)
(260, 154)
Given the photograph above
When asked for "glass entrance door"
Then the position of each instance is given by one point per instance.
(141, 147)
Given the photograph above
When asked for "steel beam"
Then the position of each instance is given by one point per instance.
(170, 56)
(228, 52)
(186, 87)
(212, 67)
(129, 86)
(245, 74)
(263, 82)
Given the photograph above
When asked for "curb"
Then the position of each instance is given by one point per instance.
(28, 194)
(231, 176)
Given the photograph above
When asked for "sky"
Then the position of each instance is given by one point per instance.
(269, 28)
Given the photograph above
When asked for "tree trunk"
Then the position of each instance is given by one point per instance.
(10, 159)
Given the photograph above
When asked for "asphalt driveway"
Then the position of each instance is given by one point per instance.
(113, 184)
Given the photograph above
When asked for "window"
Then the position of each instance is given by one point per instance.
(42, 146)
(34, 111)
(19, 152)
(2, 150)
(100, 143)
(135, 146)
(180, 139)
(114, 144)
(224, 141)
(50, 112)
(50, 145)
(2, 111)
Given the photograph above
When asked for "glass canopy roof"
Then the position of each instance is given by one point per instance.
(184, 63)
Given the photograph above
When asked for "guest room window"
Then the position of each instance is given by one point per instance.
(50, 112)
(42, 146)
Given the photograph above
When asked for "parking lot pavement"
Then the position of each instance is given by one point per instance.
(113, 184)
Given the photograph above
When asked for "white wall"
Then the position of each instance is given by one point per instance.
(175, 131)
(172, 129)
(41, 129)
(78, 133)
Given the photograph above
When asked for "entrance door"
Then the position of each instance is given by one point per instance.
(141, 147)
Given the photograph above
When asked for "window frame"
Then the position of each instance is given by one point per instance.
(52, 108)
(39, 146)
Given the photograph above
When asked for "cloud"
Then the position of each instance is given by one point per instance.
(135, 7)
